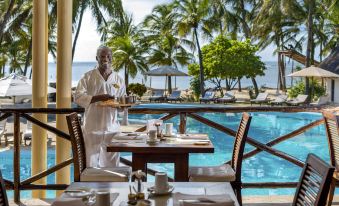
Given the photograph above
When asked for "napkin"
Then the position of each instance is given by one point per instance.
(180, 199)
(61, 201)
(193, 136)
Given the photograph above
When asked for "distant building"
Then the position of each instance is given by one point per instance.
(331, 63)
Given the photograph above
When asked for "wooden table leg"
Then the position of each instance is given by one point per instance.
(139, 163)
(181, 168)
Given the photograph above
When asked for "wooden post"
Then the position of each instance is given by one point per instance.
(16, 159)
(183, 119)
(39, 88)
(63, 85)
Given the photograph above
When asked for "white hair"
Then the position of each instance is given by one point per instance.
(102, 47)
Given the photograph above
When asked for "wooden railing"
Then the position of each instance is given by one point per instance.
(169, 113)
(27, 184)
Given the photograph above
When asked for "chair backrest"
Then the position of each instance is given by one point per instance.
(158, 93)
(332, 132)
(176, 93)
(262, 96)
(209, 94)
(239, 145)
(229, 94)
(301, 98)
(78, 144)
(314, 183)
(3, 194)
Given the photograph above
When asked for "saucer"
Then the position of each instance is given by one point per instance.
(169, 191)
(171, 135)
(152, 141)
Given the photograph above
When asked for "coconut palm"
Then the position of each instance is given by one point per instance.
(101, 9)
(278, 22)
(193, 19)
(128, 47)
(166, 49)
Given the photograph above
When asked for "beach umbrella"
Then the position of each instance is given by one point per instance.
(314, 71)
(168, 72)
(17, 85)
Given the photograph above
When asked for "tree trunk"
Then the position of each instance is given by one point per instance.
(5, 19)
(169, 85)
(28, 57)
(309, 41)
(202, 79)
(239, 84)
(255, 85)
(228, 87)
(83, 7)
(126, 80)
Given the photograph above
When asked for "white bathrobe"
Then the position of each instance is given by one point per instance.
(100, 123)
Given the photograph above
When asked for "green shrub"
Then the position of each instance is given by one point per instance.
(299, 88)
(195, 86)
(137, 89)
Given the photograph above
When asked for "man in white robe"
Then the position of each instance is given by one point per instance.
(100, 123)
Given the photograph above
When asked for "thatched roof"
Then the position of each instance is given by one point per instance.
(296, 56)
(331, 63)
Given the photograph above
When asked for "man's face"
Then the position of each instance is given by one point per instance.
(104, 59)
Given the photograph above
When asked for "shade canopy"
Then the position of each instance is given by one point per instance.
(314, 71)
(17, 85)
(166, 71)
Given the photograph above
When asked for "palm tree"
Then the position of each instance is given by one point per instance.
(278, 22)
(166, 48)
(192, 19)
(126, 41)
(101, 9)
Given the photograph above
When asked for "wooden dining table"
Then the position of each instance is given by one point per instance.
(170, 151)
(120, 190)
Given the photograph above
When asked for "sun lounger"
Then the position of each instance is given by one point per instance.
(157, 95)
(175, 96)
(261, 98)
(2, 128)
(228, 97)
(321, 101)
(279, 100)
(208, 97)
(299, 100)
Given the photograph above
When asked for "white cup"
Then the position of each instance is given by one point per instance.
(152, 134)
(161, 182)
(102, 198)
(168, 129)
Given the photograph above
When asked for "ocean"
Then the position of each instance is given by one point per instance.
(270, 78)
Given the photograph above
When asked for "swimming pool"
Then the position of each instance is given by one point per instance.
(262, 167)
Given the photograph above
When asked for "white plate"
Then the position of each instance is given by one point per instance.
(169, 191)
(78, 193)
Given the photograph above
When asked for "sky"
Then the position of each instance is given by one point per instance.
(89, 39)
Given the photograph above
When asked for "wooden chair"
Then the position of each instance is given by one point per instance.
(314, 183)
(3, 194)
(90, 174)
(225, 172)
(332, 132)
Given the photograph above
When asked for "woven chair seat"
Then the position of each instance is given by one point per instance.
(221, 173)
(105, 174)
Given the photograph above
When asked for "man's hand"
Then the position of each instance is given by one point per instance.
(101, 97)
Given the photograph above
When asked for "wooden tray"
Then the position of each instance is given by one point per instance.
(113, 104)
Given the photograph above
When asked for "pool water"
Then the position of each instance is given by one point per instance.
(263, 167)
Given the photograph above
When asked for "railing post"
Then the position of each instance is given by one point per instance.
(16, 159)
(183, 119)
